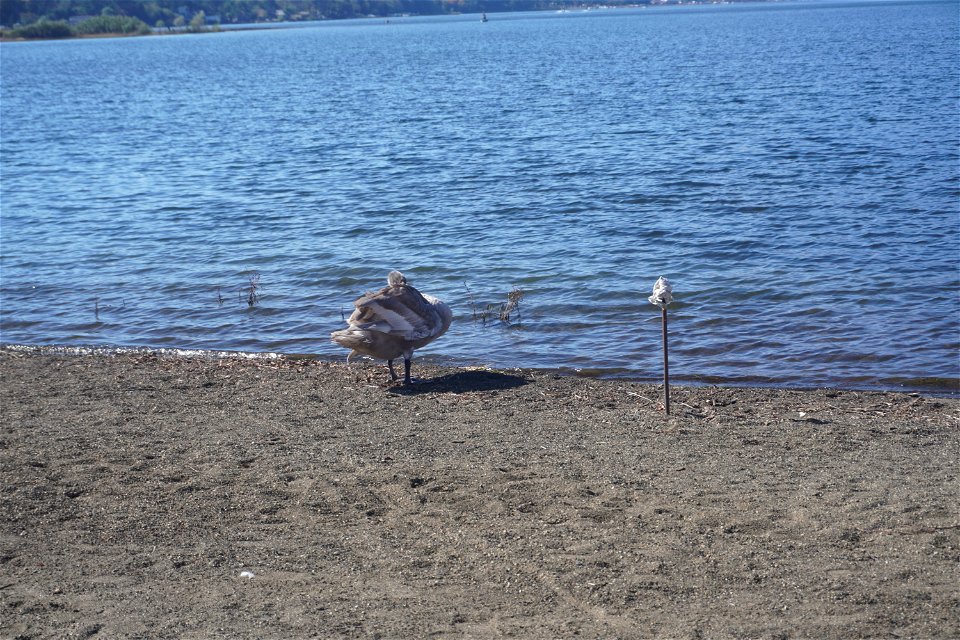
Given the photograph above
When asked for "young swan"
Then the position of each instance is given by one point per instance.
(392, 322)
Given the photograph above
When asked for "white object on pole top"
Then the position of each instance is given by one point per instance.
(662, 293)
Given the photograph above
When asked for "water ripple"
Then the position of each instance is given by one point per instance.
(800, 192)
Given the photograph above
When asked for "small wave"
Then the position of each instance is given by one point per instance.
(692, 184)
(949, 386)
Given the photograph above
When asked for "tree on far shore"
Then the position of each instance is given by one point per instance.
(24, 12)
(198, 21)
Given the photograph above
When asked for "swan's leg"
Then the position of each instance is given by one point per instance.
(406, 371)
(393, 374)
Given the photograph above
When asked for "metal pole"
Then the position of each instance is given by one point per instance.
(666, 367)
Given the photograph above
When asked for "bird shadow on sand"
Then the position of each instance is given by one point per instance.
(462, 382)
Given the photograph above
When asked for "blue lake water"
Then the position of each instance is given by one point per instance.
(791, 167)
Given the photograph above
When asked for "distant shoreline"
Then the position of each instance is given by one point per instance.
(99, 36)
(294, 24)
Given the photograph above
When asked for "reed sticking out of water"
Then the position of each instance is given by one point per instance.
(471, 301)
(504, 311)
(251, 290)
(97, 308)
(512, 304)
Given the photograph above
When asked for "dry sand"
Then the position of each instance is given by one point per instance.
(136, 489)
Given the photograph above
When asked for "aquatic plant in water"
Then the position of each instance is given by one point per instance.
(504, 311)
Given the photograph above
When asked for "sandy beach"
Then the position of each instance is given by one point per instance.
(151, 497)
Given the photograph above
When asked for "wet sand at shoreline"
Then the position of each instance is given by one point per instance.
(477, 503)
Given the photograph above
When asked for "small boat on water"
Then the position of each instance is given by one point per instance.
(483, 18)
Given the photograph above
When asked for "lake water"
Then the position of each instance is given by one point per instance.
(792, 168)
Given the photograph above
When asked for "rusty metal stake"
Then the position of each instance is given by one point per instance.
(666, 367)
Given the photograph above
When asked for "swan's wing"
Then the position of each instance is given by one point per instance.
(399, 311)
